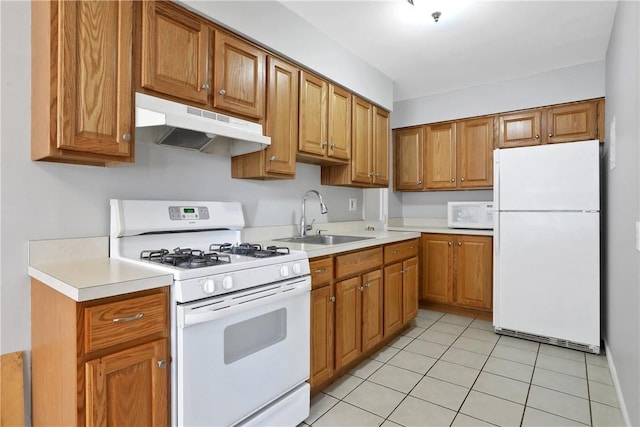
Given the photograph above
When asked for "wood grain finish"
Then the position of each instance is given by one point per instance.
(572, 122)
(362, 140)
(322, 334)
(440, 169)
(348, 344)
(372, 309)
(82, 103)
(392, 298)
(59, 361)
(408, 158)
(437, 267)
(239, 76)
(399, 251)
(278, 160)
(175, 52)
(12, 386)
(409, 289)
(321, 271)
(520, 129)
(312, 137)
(123, 321)
(357, 262)
(475, 153)
(339, 123)
(473, 272)
(381, 134)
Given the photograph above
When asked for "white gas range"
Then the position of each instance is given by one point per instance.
(240, 312)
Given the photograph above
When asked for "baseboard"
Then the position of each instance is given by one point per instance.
(616, 384)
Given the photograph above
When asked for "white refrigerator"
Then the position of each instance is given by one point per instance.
(547, 244)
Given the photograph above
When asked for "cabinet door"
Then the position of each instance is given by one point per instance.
(175, 52)
(409, 289)
(239, 74)
(362, 140)
(95, 95)
(282, 117)
(408, 170)
(573, 122)
(313, 114)
(392, 298)
(381, 132)
(339, 121)
(348, 321)
(475, 153)
(130, 387)
(372, 303)
(437, 267)
(520, 129)
(441, 156)
(322, 313)
(473, 271)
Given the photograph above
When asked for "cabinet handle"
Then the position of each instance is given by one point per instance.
(320, 270)
(361, 288)
(449, 243)
(222, 92)
(537, 136)
(333, 145)
(420, 182)
(332, 298)
(206, 86)
(550, 135)
(272, 158)
(462, 179)
(162, 364)
(126, 137)
(394, 252)
(453, 180)
(324, 144)
(128, 319)
(459, 243)
(367, 285)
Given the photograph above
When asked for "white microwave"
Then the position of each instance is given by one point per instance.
(470, 215)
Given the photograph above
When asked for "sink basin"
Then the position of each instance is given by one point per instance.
(323, 239)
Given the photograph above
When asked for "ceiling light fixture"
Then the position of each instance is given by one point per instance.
(410, 2)
(436, 15)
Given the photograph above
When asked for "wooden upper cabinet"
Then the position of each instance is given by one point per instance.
(572, 122)
(339, 122)
(82, 95)
(475, 153)
(362, 139)
(408, 149)
(278, 160)
(312, 115)
(520, 129)
(381, 133)
(239, 76)
(441, 156)
(175, 52)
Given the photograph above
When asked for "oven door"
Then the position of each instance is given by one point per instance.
(239, 352)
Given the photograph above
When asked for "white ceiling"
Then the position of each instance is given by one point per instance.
(486, 41)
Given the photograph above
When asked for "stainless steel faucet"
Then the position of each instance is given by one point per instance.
(303, 221)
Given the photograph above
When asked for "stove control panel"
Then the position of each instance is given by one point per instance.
(179, 213)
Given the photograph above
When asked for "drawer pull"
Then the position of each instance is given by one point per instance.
(394, 252)
(162, 364)
(128, 319)
(320, 270)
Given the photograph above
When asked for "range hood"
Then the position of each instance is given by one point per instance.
(192, 128)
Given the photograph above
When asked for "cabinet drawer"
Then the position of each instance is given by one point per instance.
(358, 262)
(399, 251)
(321, 271)
(122, 321)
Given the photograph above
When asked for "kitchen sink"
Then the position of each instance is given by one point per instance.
(323, 239)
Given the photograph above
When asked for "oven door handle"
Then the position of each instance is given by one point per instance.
(203, 314)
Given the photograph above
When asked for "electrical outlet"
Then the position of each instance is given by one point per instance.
(353, 204)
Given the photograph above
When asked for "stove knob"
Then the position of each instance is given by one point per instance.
(209, 286)
(284, 271)
(227, 282)
(296, 268)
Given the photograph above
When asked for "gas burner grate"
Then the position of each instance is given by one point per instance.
(249, 249)
(185, 257)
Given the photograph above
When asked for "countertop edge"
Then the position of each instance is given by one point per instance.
(443, 230)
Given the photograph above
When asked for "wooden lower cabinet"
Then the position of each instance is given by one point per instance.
(457, 270)
(372, 304)
(322, 321)
(400, 285)
(90, 369)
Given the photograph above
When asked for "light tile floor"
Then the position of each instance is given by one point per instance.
(451, 370)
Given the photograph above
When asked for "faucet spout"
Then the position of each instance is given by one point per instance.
(303, 220)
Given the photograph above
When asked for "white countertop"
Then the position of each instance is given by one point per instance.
(433, 225)
(64, 265)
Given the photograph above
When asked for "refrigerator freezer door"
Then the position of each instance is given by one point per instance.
(547, 275)
(548, 177)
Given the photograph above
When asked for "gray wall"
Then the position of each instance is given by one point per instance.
(563, 85)
(621, 291)
(48, 201)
